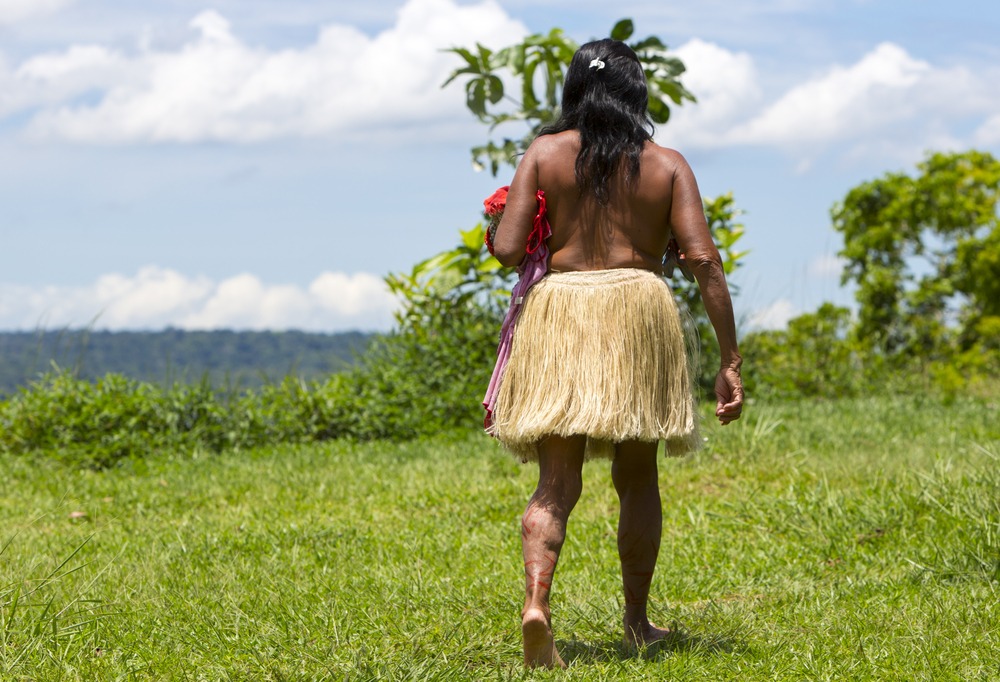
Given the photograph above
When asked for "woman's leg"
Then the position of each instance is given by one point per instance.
(639, 525)
(543, 530)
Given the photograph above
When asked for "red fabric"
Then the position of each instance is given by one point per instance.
(494, 206)
(540, 230)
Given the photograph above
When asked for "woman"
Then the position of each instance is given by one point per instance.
(597, 366)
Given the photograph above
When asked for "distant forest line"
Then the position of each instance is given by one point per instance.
(227, 359)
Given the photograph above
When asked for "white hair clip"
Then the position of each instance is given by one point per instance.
(597, 64)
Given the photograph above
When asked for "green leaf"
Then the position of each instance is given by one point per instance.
(472, 64)
(672, 89)
(476, 97)
(658, 110)
(650, 43)
(471, 60)
(553, 78)
(676, 66)
(485, 54)
(490, 266)
(472, 239)
(540, 60)
(495, 88)
(622, 30)
(528, 99)
(511, 57)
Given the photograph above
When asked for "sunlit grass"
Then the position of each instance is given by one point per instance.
(821, 541)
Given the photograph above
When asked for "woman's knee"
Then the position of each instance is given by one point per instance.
(634, 465)
(562, 488)
(560, 468)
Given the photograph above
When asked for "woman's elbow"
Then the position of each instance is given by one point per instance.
(705, 264)
(508, 257)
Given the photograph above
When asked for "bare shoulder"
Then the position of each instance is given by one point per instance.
(555, 143)
(665, 158)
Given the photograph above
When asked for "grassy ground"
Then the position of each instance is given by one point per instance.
(854, 540)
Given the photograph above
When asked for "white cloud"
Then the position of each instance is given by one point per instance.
(217, 87)
(888, 104)
(49, 80)
(345, 83)
(12, 11)
(347, 295)
(989, 132)
(827, 265)
(774, 316)
(845, 101)
(728, 90)
(158, 297)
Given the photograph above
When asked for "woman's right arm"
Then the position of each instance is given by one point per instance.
(518, 216)
(687, 221)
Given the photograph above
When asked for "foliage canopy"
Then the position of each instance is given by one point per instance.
(924, 252)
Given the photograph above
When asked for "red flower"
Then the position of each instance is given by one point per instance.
(494, 204)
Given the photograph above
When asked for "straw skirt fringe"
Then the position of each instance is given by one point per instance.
(602, 354)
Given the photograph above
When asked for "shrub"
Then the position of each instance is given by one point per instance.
(420, 380)
(812, 357)
(114, 417)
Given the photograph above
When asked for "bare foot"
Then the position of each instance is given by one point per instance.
(638, 636)
(539, 644)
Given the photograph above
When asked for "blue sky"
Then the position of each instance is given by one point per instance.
(263, 164)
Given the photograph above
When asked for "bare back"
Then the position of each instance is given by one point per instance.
(631, 231)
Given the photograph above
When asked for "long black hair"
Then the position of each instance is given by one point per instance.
(605, 99)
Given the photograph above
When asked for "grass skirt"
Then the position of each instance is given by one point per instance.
(598, 353)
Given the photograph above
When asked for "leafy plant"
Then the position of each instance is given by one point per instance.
(542, 60)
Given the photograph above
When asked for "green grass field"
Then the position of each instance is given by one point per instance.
(851, 540)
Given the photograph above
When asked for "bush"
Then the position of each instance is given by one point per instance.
(812, 357)
(820, 355)
(101, 422)
(421, 380)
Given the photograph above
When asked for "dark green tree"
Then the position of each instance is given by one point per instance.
(924, 252)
